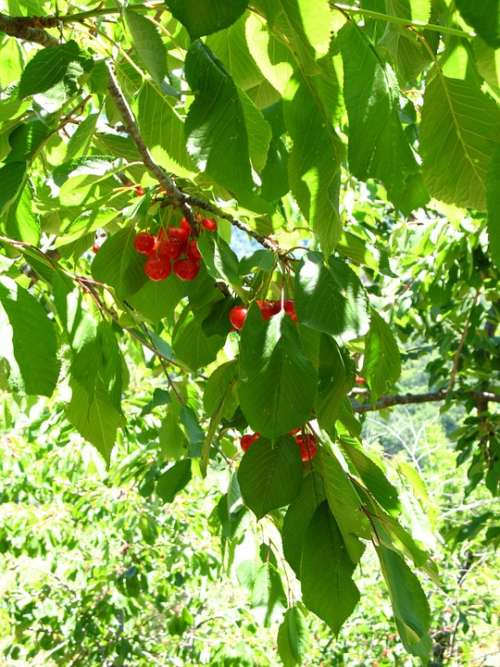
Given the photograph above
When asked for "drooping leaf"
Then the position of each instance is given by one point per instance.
(26, 139)
(163, 131)
(330, 298)
(409, 603)
(47, 67)
(459, 132)
(173, 480)
(218, 390)
(484, 17)
(373, 477)
(216, 132)
(298, 517)
(378, 147)
(344, 502)
(493, 199)
(203, 17)
(190, 343)
(292, 638)
(12, 177)
(326, 571)
(382, 362)
(270, 474)
(148, 44)
(314, 163)
(33, 345)
(277, 381)
(118, 264)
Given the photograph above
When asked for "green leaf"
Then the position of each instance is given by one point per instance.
(215, 126)
(484, 17)
(298, 517)
(158, 299)
(493, 198)
(409, 603)
(163, 131)
(148, 44)
(277, 382)
(219, 390)
(292, 638)
(190, 343)
(173, 480)
(26, 139)
(118, 264)
(203, 17)
(173, 441)
(336, 379)
(270, 475)
(326, 571)
(330, 298)
(314, 163)
(12, 178)
(80, 141)
(22, 222)
(219, 259)
(382, 362)
(373, 478)
(47, 68)
(94, 416)
(344, 503)
(378, 147)
(97, 380)
(459, 130)
(230, 46)
(32, 352)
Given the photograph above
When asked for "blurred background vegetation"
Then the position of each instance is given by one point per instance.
(95, 569)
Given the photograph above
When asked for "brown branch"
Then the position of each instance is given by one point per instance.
(25, 29)
(429, 397)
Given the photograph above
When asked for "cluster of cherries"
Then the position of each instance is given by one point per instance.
(172, 249)
(306, 442)
(268, 309)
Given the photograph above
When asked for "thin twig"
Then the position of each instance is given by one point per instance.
(461, 344)
(429, 397)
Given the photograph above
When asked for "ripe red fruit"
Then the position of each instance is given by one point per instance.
(179, 234)
(237, 316)
(96, 247)
(144, 243)
(308, 447)
(209, 224)
(186, 226)
(139, 191)
(268, 308)
(359, 380)
(193, 251)
(289, 307)
(157, 268)
(247, 440)
(186, 269)
(294, 431)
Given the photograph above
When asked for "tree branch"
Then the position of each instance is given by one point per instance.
(429, 397)
(26, 29)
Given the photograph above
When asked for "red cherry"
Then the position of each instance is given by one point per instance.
(268, 308)
(237, 316)
(157, 268)
(359, 380)
(308, 447)
(96, 247)
(289, 307)
(178, 234)
(139, 191)
(144, 243)
(186, 226)
(209, 224)
(247, 440)
(193, 251)
(186, 269)
(294, 431)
